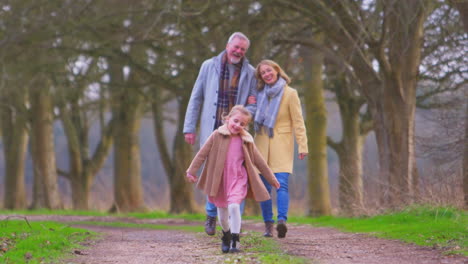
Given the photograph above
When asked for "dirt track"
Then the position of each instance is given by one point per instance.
(318, 245)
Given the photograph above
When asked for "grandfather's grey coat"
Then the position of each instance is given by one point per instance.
(214, 153)
(204, 98)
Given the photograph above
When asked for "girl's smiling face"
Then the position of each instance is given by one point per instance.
(237, 122)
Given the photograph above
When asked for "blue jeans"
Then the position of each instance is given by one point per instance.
(282, 199)
(212, 211)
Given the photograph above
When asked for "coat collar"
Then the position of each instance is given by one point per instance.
(246, 137)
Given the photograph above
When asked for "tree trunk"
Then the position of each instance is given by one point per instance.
(350, 155)
(83, 168)
(128, 190)
(181, 191)
(316, 123)
(15, 137)
(45, 189)
(465, 161)
(462, 7)
(80, 187)
(394, 133)
(395, 120)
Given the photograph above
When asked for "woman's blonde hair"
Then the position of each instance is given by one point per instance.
(239, 109)
(276, 67)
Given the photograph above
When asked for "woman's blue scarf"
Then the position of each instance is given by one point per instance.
(268, 102)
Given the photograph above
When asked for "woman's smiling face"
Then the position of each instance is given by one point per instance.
(269, 74)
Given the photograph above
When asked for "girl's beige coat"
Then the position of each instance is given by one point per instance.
(278, 151)
(214, 151)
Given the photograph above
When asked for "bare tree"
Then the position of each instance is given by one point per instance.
(316, 122)
(13, 123)
(387, 34)
(45, 190)
(462, 7)
(356, 124)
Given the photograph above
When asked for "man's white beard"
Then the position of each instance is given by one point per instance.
(234, 60)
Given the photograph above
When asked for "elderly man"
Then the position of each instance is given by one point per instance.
(223, 81)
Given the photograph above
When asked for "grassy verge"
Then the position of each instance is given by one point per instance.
(444, 228)
(146, 215)
(188, 228)
(52, 212)
(37, 242)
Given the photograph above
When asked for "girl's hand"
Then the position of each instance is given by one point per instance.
(191, 178)
(251, 100)
(277, 184)
(302, 155)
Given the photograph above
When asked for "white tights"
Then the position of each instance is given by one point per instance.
(230, 218)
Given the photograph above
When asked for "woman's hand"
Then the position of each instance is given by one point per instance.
(191, 178)
(302, 155)
(190, 138)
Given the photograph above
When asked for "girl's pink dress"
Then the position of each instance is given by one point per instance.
(233, 188)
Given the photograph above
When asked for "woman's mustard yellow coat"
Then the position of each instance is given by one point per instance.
(278, 151)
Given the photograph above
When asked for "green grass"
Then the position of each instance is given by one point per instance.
(146, 215)
(444, 228)
(52, 212)
(37, 242)
(162, 215)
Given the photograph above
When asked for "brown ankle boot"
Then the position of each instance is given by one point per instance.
(210, 225)
(281, 228)
(268, 229)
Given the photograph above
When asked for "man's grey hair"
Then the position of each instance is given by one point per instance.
(239, 35)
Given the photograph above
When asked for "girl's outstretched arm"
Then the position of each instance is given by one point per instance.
(201, 155)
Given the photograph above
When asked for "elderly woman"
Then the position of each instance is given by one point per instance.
(277, 120)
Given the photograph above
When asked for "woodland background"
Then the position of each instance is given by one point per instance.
(93, 96)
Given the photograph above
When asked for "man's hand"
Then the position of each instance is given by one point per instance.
(190, 138)
(191, 178)
(302, 155)
(251, 100)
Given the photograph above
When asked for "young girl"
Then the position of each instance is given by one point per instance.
(229, 174)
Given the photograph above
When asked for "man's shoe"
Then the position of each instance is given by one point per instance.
(210, 225)
(281, 228)
(226, 241)
(268, 229)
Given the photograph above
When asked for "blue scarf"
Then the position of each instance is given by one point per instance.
(268, 102)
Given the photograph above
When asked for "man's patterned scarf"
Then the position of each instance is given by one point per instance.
(227, 93)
